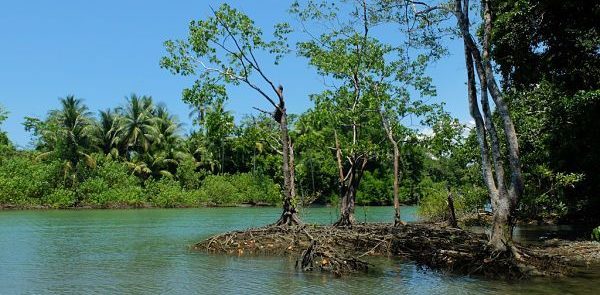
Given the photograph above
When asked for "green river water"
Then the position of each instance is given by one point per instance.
(146, 252)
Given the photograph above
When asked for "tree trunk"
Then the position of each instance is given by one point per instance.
(390, 135)
(292, 172)
(500, 235)
(347, 208)
(289, 216)
(453, 221)
(397, 220)
(502, 197)
(348, 188)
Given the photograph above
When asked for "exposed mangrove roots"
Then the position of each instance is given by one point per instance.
(343, 249)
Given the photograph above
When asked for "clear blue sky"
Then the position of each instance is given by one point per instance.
(102, 51)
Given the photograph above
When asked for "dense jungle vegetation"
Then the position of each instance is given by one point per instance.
(546, 55)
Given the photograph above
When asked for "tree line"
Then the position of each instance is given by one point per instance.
(530, 153)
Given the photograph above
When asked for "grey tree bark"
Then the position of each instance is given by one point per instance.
(397, 174)
(289, 216)
(503, 197)
(349, 180)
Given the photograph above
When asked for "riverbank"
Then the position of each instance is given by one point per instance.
(128, 207)
(342, 250)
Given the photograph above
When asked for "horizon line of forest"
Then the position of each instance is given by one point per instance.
(352, 144)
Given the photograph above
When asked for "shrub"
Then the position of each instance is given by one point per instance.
(24, 181)
(257, 189)
(434, 202)
(111, 185)
(375, 189)
(168, 193)
(187, 175)
(218, 190)
(60, 198)
(238, 189)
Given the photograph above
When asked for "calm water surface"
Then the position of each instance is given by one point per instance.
(146, 252)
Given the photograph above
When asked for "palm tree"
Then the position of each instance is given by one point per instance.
(106, 133)
(219, 127)
(137, 125)
(198, 116)
(196, 147)
(167, 128)
(139, 166)
(72, 141)
(167, 150)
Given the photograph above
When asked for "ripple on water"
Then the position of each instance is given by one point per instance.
(146, 252)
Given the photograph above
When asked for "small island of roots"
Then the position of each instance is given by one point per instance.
(343, 250)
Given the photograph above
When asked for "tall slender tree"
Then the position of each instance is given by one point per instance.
(504, 191)
(225, 49)
(369, 75)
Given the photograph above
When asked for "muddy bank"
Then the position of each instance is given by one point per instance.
(341, 249)
(576, 252)
(484, 218)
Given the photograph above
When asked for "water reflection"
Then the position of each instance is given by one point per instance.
(146, 252)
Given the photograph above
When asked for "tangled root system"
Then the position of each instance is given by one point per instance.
(341, 250)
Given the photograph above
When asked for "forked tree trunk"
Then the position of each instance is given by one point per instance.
(348, 193)
(348, 188)
(497, 238)
(289, 216)
(503, 198)
(346, 210)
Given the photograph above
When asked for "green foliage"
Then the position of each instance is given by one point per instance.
(137, 124)
(558, 138)
(25, 181)
(60, 198)
(4, 142)
(3, 115)
(433, 201)
(546, 196)
(187, 174)
(375, 189)
(221, 50)
(239, 188)
(533, 41)
(596, 234)
(111, 185)
(547, 53)
(168, 193)
(219, 190)
(433, 204)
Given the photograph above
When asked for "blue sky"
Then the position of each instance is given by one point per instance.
(102, 51)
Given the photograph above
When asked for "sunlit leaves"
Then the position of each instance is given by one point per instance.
(222, 49)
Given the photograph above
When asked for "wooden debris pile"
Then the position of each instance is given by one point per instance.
(343, 249)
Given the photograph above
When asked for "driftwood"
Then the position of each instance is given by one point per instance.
(341, 250)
